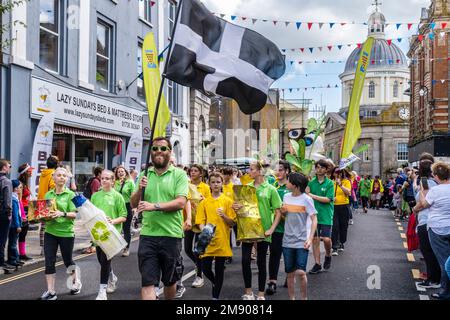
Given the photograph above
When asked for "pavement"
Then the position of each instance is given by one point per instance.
(374, 266)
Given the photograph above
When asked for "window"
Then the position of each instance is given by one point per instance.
(49, 34)
(104, 46)
(172, 89)
(372, 89)
(366, 156)
(402, 151)
(139, 81)
(145, 10)
(172, 15)
(395, 89)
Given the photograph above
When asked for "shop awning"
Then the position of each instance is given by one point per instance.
(86, 133)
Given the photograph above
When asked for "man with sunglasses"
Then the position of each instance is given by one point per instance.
(166, 191)
(5, 211)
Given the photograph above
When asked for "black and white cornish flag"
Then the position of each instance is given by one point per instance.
(212, 55)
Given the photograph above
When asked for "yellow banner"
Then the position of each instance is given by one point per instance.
(353, 126)
(152, 82)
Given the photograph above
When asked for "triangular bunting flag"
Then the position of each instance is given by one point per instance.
(443, 25)
(442, 81)
(343, 23)
(290, 90)
(275, 23)
(284, 50)
(399, 40)
(398, 60)
(264, 21)
(310, 25)
(292, 62)
(331, 25)
(433, 82)
(420, 37)
(358, 45)
(320, 48)
(152, 3)
(298, 89)
(293, 50)
(300, 62)
(330, 47)
(298, 24)
(244, 18)
(311, 49)
(233, 18)
(320, 25)
(433, 25)
(340, 46)
(336, 86)
(323, 61)
(389, 41)
(287, 23)
(254, 20)
(373, 61)
(302, 49)
(398, 25)
(222, 15)
(409, 26)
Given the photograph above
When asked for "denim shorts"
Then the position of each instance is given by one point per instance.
(295, 259)
(323, 231)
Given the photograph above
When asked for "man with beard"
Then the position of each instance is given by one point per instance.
(166, 191)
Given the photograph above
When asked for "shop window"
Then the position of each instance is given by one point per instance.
(62, 147)
(172, 89)
(104, 54)
(50, 34)
(172, 15)
(89, 153)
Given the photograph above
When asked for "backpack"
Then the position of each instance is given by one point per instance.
(87, 193)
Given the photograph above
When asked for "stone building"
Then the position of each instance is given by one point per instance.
(429, 124)
(383, 108)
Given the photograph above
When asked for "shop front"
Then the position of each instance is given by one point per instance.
(89, 130)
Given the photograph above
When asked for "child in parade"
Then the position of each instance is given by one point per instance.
(269, 204)
(112, 203)
(216, 210)
(125, 186)
(298, 207)
(15, 227)
(196, 174)
(59, 232)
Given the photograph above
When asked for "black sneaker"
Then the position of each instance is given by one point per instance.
(341, 248)
(8, 267)
(316, 269)
(271, 288)
(327, 263)
(427, 284)
(25, 258)
(334, 252)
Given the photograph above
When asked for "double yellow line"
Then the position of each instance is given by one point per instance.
(38, 270)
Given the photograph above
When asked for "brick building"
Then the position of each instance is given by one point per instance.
(429, 124)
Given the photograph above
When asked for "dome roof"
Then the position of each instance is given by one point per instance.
(382, 56)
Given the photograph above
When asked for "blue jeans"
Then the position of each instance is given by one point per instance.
(441, 248)
(13, 254)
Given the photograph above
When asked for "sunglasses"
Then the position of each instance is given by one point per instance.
(160, 148)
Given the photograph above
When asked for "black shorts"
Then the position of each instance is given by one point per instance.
(159, 259)
(323, 231)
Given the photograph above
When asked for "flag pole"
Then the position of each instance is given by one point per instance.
(163, 79)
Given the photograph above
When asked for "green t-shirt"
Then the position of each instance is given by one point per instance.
(127, 189)
(161, 189)
(324, 210)
(112, 204)
(62, 226)
(282, 190)
(268, 201)
(364, 188)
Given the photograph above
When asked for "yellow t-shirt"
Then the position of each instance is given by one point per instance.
(204, 189)
(207, 213)
(341, 198)
(228, 190)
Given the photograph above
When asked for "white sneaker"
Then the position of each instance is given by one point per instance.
(102, 295)
(260, 298)
(198, 282)
(350, 222)
(248, 297)
(112, 283)
(49, 296)
(76, 287)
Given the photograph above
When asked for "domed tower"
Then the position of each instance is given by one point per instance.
(383, 108)
(387, 75)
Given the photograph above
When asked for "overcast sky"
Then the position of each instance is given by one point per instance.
(399, 11)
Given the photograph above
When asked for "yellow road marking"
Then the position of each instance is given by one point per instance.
(416, 273)
(405, 245)
(400, 228)
(403, 236)
(410, 257)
